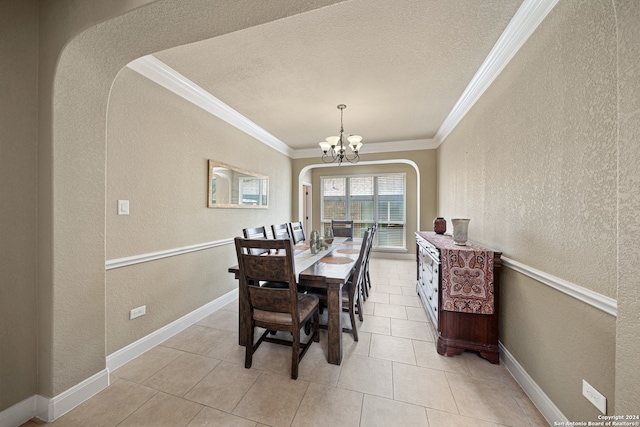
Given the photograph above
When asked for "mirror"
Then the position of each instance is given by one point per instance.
(231, 187)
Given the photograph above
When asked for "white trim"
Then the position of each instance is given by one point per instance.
(42, 408)
(393, 255)
(50, 409)
(594, 299)
(376, 147)
(545, 405)
(374, 162)
(55, 407)
(528, 17)
(19, 413)
(152, 256)
(157, 71)
(133, 350)
(160, 73)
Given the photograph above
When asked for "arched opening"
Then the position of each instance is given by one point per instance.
(303, 172)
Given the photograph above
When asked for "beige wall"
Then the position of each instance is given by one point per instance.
(425, 161)
(79, 61)
(158, 146)
(18, 145)
(628, 330)
(535, 166)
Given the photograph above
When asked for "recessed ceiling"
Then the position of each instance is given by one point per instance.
(400, 67)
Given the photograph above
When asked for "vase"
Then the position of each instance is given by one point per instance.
(314, 242)
(460, 230)
(439, 225)
(328, 235)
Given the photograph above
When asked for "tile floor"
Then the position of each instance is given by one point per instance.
(391, 377)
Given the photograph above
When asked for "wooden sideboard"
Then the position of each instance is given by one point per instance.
(456, 326)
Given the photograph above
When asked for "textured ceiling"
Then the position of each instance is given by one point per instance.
(399, 66)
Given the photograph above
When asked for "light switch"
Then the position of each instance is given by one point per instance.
(123, 207)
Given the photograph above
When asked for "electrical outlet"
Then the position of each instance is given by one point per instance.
(137, 312)
(594, 396)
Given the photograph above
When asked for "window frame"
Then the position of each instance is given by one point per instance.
(376, 196)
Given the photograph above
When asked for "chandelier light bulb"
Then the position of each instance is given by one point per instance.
(325, 146)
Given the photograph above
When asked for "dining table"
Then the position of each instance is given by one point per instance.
(327, 269)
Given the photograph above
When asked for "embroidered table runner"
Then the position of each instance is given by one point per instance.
(467, 275)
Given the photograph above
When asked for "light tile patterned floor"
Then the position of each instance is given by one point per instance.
(391, 377)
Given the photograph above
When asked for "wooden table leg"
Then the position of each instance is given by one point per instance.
(334, 327)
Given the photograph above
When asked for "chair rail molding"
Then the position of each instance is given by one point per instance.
(152, 256)
(594, 299)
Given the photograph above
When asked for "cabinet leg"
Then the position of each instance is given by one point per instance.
(491, 357)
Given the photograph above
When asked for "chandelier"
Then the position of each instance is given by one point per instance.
(334, 147)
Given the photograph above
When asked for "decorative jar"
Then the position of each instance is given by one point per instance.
(439, 225)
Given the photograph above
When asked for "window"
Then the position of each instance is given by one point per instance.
(365, 200)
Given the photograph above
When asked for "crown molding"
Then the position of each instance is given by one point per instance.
(160, 73)
(528, 17)
(375, 147)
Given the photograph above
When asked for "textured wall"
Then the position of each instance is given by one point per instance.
(534, 165)
(75, 79)
(628, 332)
(158, 146)
(18, 145)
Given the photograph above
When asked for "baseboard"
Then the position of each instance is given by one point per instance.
(18, 413)
(133, 350)
(50, 409)
(392, 255)
(547, 408)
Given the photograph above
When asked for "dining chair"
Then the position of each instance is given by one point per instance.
(296, 231)
(280, 231)
(351, 296)
(255, 233)
(342, 228)
(260, 233)
(271, 308)
(366, 285)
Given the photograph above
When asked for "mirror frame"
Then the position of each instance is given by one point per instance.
(212, 204)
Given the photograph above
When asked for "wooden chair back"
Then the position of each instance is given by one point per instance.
(360, 267)
(296, 231)
(366, 283)
(280, 231)
(256, 265)
(342, 228)
(255, 233)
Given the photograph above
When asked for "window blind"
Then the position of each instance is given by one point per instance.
(366, 199)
